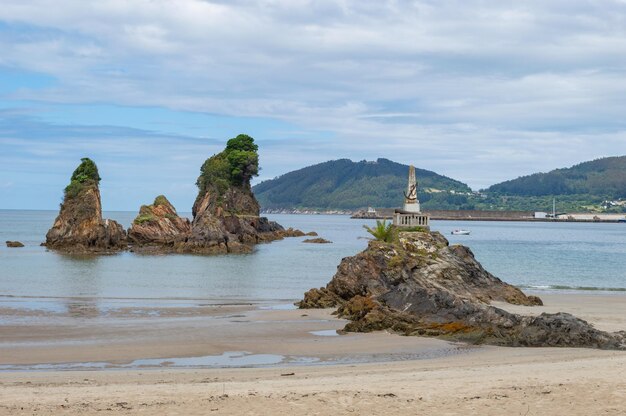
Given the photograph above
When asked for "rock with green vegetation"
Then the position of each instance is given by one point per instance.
(417, 284)
(79, 227)
(159, 224)
(226, 213)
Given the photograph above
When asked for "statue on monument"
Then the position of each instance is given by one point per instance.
(411, 203)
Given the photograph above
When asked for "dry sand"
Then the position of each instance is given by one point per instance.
(484, 380)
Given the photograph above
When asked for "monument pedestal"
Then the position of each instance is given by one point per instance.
(402, 218)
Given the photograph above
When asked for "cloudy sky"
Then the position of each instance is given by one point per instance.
(481, 91)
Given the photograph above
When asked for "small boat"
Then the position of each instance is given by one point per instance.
(460, 232)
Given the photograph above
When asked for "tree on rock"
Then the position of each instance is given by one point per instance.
(235, 165)
(85, 174)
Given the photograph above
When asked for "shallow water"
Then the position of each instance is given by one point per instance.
(325, 333)
(536, 255)
(243, 359)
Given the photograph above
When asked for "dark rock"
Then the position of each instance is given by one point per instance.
(317, 241)
(291, 232)
(267, 226)
(226, 213)
(535, 300)
(320, 298)
(79, 227)
(311, 234)
(563, 330)
(419, 285)
(160, 224)
(224, 222)
(14, 244)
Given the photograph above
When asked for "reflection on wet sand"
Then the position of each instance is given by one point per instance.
(86, 336)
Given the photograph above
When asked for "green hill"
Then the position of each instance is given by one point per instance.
(602, 177)
(344, 184)
(583, 187)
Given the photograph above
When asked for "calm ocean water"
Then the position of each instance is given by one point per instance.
(563, 256)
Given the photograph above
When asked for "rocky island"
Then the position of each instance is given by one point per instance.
(415, 283)
(79, 227)
(225, 214)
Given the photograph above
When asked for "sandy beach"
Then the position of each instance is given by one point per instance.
(377, 373)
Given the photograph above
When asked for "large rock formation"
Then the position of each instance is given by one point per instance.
(419, 285)
(225, 213)
(79, 226)
(159, 224)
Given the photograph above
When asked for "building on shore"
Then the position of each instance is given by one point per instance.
(411, 215)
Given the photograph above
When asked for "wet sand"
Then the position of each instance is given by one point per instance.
(123, 335)
(416, 375)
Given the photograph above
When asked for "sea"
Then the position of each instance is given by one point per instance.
(535, 256)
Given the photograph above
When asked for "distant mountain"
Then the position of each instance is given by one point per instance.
(604, 178)
(344, 184)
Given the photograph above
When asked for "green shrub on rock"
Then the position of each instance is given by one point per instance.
(382, 232)
(144, 218)
(85, 174)
(160, 200)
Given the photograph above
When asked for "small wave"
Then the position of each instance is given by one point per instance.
(565, 287)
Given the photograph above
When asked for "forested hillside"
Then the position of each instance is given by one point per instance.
(344, 184)
(602, 177)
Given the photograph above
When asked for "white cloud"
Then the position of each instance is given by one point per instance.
(478, 90)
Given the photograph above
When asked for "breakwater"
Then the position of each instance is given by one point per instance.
(475, 215)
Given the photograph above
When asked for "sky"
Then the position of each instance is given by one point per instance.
(480, 91)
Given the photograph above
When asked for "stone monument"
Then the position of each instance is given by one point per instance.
(411, 215)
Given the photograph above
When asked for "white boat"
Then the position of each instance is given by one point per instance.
(460, 232)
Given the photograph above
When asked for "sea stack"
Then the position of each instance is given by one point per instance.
(159, 224)
(226, 213)
(79, 227)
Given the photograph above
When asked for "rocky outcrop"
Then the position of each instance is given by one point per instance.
(79, 227)
(419, 285)
(224, 222)
(14, 244)
(233, 226)
(159, 224)
(226, 213)
(316, 241)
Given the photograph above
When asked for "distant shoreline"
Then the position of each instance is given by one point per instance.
(458, 215)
